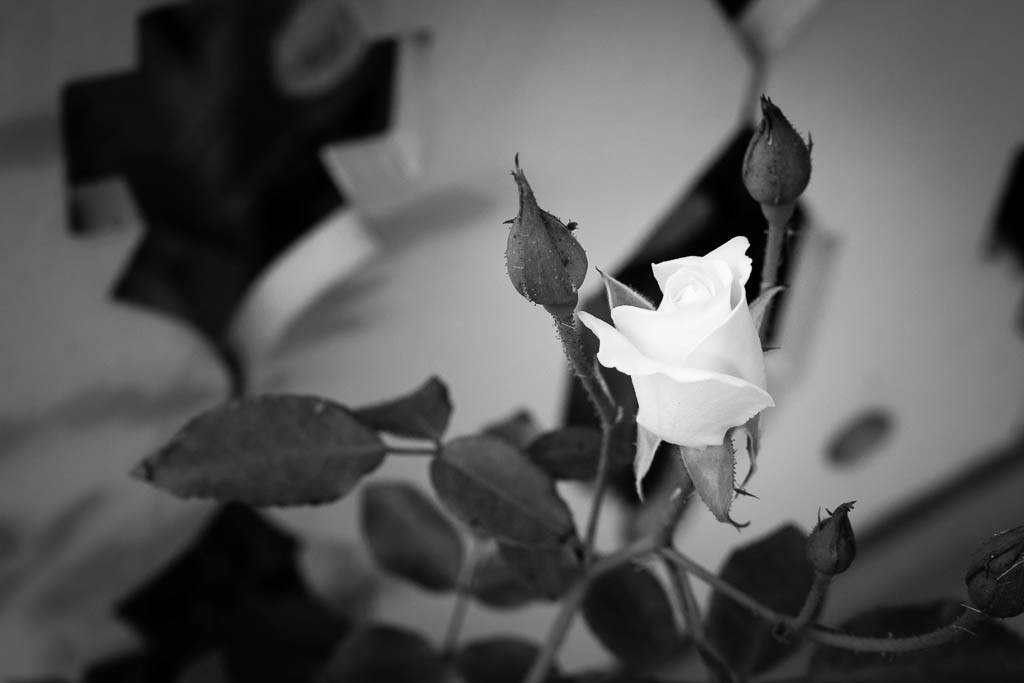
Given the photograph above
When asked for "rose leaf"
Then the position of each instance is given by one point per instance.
(622, 295)
(497, 585)
(423, 414)
(384, 653)
(569, 453)
(494, 489)
(774, 571)
(408, 536)
(629, 612)
(268, 450)
(548, 571)
(518, 429)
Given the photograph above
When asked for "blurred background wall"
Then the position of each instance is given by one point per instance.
(903, 301)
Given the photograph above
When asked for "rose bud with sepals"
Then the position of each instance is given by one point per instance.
(831, 547)
(995, 575)
(777, 163)
(545, 262)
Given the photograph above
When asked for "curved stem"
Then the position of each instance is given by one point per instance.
(958, 628)
(812, 605)
(461, 604)
(820, 634)
(725, 588)
(569, 334)
(600, 487)
(586, 371)
(571, 603)
(716, 667)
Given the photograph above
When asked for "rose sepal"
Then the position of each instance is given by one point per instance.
(620, 294)
(713, 471)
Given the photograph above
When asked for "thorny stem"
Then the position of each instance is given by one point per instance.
(569, 334)
(590, 377)
(820, 634)
(956, 629)
(461, 604)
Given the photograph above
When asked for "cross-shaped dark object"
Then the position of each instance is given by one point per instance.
(221, 163)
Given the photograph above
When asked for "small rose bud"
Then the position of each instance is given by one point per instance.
(777, 165)
(545, 262)
(831, 546)
(995, 575)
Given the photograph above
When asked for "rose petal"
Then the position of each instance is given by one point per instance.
(711, 278)
(733, 253)
(695, 407)
(732, 349)
(671, 336)
(616, 351)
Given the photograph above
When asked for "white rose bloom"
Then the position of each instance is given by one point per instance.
(696, 362)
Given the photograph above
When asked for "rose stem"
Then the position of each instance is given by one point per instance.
(954, 630)
(569, 333)
(570, 604)
(820, 634)
(812, 604)
(461, 603)
(684, 594)
(778, 219)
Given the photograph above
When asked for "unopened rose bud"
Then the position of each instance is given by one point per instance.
(545, 262)
(831, 546)
(777, 165)
(995, 576)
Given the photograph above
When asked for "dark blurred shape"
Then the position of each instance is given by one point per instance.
(706, 215)
(222, 163)
(385, 654)
(1008, 231)
(861, 436)
(236, 590)
(500, 659)
(734, 8)
(135, 667)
